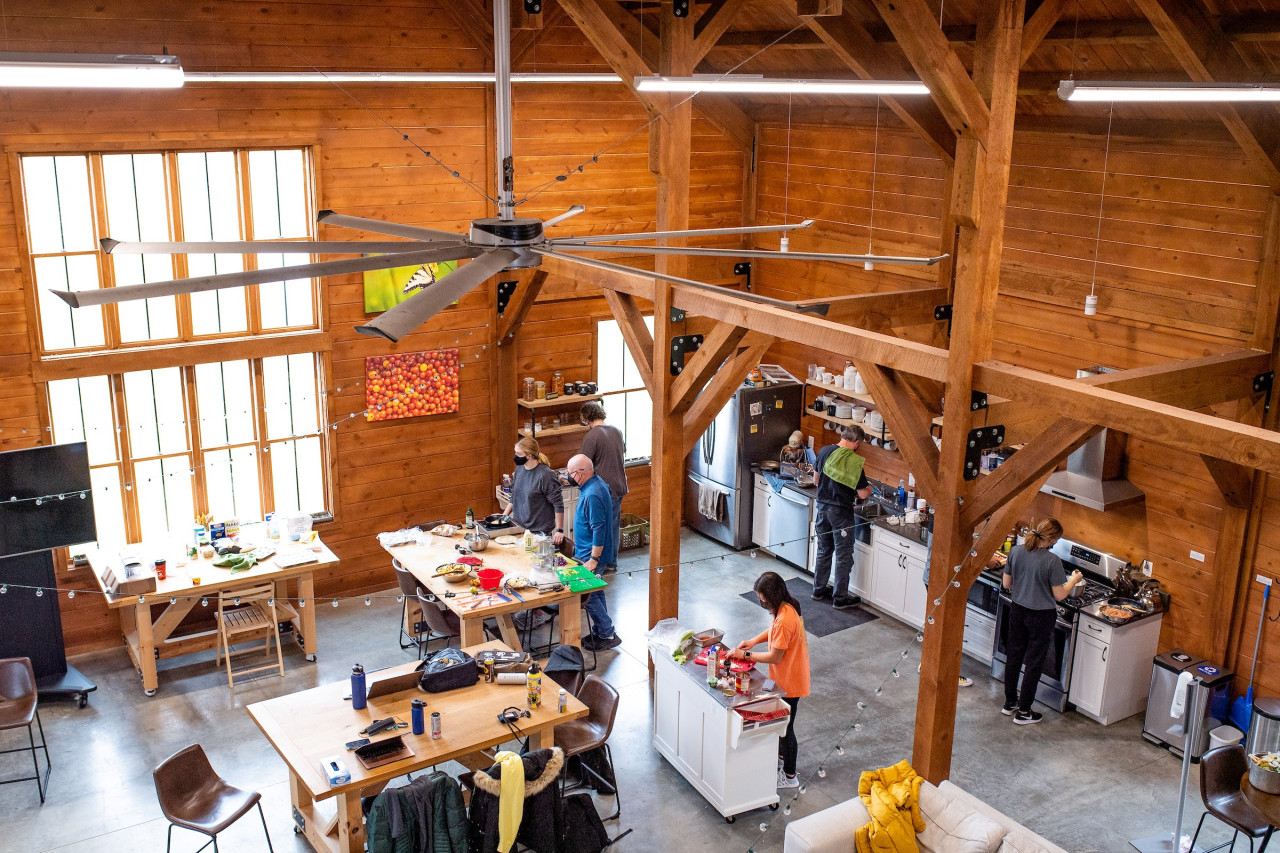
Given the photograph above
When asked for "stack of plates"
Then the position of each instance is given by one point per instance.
(844, 410)
(859, 414)
(874, 421)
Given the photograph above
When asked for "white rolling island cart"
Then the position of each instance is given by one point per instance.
(733, 762)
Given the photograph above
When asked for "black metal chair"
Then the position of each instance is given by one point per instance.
(1221, 770)
(410, 608)
(17, 710)
(526, 638)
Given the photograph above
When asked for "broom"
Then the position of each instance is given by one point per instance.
(1242, 707)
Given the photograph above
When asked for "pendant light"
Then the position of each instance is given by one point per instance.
(1091, 301)
(784, 244)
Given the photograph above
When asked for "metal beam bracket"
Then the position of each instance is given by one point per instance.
(680, 346)
(680, 8)
(977, 400)
(677, 315)
(505, 291)
(1262, 384)
(943, 312)
(980, 439)
(744, 268)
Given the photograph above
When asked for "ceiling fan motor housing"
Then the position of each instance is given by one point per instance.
(512, 233)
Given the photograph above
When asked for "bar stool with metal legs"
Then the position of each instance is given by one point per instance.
(193, 796)
(18, 709)
(1221, 770)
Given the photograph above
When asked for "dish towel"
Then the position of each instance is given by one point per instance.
(711, 501)
(774, 481)
(892, 798)
(844, 466)
(510, 800)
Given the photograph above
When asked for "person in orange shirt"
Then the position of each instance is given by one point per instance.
(788, 658)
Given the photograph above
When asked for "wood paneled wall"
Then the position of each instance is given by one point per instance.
(1178, 256)
(387, 474)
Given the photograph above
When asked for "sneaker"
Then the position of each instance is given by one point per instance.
(608, 570)
(966, 681)
(1009, 710)
(823, 594)
(845, 602)
(1027, 718)
(599, 644)
(785, 781)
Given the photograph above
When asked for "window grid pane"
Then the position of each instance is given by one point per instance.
(630, 410)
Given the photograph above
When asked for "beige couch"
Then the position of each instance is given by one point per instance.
(956, 822)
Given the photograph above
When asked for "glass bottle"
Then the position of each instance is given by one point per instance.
(557, 383)
(528, 388)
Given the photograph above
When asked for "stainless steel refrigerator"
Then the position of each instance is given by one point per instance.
(752, 427)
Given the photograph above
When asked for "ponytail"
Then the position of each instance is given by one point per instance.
(1043, 534)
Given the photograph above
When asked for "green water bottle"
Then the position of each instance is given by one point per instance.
(471, 519)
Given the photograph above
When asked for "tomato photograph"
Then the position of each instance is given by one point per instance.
(411, 384)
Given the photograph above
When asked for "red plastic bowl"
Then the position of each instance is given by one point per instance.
(489, 578)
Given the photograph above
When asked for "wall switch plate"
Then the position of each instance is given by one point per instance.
(1197, 556)
(1263, 579)
(1147, 567)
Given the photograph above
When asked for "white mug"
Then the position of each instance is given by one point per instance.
(837, 381)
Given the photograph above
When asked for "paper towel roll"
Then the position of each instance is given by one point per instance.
(1178, 707)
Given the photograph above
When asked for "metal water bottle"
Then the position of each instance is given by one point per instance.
(359, 695)
(417, 716)
(533, 685)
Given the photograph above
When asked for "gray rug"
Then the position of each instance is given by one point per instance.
(820, 618)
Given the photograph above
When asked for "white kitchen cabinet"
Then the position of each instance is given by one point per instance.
(889, 585)
(916, 603)
(731, 763)
(979, 634)
(1111, 667)
(760, 511)
(897, 582)
(860, 578)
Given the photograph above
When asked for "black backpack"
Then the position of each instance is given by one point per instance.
(584, 831)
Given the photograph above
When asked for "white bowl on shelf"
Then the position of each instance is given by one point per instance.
(859, 414)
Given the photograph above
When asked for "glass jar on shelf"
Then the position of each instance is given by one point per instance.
(540, 390)
(529, 388)
(557, 383)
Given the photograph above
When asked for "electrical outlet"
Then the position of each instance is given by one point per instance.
(1197, 556)
(1147, 567)
(1263, 579)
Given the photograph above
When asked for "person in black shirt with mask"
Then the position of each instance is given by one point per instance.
(537, 503)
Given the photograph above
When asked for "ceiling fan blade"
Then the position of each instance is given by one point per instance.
(261, 247)
(125, 293)
(820, 309)
(399, 321)
(696, 232)
(752, 253)
(556, 220)
(395, 229)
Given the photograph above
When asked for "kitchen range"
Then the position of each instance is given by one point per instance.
(1100, 657)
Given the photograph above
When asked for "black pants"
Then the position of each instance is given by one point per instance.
(788, 746)
(1030, 633)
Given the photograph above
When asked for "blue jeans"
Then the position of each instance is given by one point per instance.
(610, 555)
(598, 614)
(832, 521)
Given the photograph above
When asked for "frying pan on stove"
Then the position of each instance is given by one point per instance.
(1132, 606)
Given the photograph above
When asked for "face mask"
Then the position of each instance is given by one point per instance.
(520, 460)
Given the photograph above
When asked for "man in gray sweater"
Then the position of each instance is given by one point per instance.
(605, 447)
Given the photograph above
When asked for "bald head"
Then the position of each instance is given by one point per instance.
(580, 469)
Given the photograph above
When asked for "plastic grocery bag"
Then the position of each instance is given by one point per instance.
(667, 637)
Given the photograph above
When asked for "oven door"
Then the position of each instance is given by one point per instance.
(984, 595)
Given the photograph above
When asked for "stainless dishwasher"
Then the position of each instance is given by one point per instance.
(789, 513)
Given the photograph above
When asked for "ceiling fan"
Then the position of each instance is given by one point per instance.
(492, 244)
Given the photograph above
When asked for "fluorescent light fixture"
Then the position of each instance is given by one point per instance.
(1208, 93)
(88, 71)
(740, 83)
(387, 77)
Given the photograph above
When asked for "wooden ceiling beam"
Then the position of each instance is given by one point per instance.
(719, 344)
(895, 308)
(848, 39)
(908, 419)
(713, 24)
(476, 23)
(721, 387)
(1040, 24)
(635, 332)
(912, 23)
(518, 307)
(1208, 56)
(1190, 384)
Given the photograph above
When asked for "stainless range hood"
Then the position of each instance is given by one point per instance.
(1092, 477)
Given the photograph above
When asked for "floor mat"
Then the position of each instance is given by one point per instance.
(820, 618)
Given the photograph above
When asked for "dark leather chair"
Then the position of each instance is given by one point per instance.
(194, 797)
(441, 621)
(1221, 770)
(18, 709)
(578, 737)
(411, 628)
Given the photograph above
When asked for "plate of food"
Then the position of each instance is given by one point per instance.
(506, 539)
(518, 582)
(454, 572)
(470, 561)
(444, 530)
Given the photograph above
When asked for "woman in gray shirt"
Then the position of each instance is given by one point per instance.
(1037, 582)
(537, 503)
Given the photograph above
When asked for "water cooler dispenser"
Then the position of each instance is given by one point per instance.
(1162, 727)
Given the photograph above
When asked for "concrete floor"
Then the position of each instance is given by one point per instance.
(1083, 786)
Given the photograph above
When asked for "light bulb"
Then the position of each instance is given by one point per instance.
(71, 594)
(956, 584)
(302, 602)
(39, 592)
(271, 602)
(367, 602)
(335, 602)
(839, 749)
(822, 772)
(919, 636)
(1090, 305)
(204, 602)
(784, 244)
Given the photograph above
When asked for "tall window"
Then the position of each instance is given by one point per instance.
(235, 438)
(74, 200)
(626, 400)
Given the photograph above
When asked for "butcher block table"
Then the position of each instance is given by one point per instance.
(309, 727)
(149, 638)
(512, 560)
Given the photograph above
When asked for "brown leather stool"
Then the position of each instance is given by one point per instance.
(1220, 772)
(194, 797)
(592, 732)
(18, 709)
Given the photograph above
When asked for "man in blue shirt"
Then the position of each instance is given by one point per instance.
(593, 533)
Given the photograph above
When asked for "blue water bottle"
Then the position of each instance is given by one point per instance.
(418, 716)
(359, 695)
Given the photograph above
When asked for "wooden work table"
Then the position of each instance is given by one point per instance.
(309, 727)
(149, 638)
(512, 560)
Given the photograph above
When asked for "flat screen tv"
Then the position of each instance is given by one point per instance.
(45, 472)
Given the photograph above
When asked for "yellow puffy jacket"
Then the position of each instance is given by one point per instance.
(891, 795)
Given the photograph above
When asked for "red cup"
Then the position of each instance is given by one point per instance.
(489, 578)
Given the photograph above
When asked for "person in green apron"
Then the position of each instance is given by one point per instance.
(842, 484)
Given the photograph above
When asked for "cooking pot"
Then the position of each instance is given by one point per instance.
(477, 540)
(1077, 591)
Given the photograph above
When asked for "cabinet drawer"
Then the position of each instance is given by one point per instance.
(1100, 631)
(884, 538)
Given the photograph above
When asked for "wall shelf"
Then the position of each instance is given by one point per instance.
(843, 392)
(550, 431)
(882, 434)
(563, 400)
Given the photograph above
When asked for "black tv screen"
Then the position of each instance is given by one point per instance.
(45, 472)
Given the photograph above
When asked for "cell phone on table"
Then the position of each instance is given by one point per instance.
(356, 744)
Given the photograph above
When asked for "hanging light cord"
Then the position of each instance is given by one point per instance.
(875, 154)
(1097, 237)
(786, 199)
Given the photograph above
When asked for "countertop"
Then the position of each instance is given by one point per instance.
(911, 532)
(698, 674)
